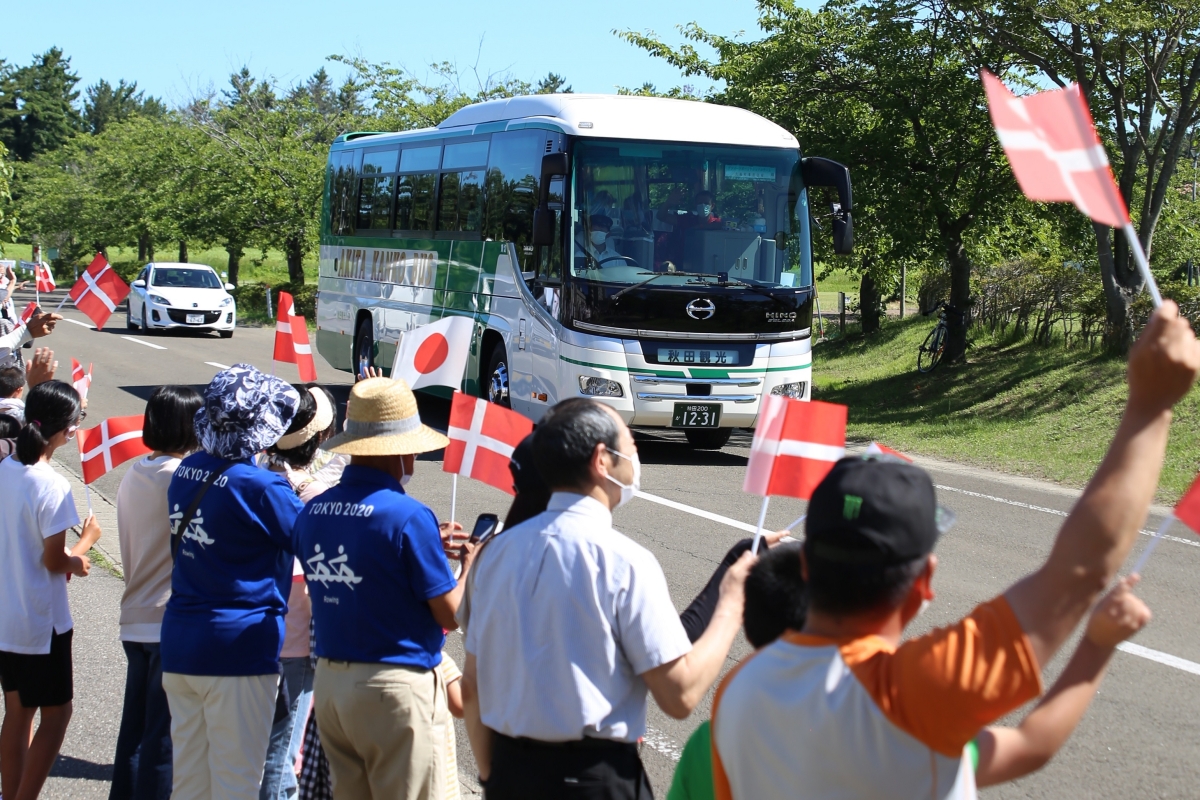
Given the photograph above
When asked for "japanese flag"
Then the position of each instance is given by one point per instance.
(795, 445)
(111, 443)
(82, 381)
(435, 354)
(483, 436)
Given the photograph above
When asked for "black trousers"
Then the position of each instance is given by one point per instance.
(592, 769)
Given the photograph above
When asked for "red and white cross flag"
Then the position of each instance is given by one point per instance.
(1187, 511)
(291, 339)
(435, 354)
(99, 291)
(877, 449)
(82, 381)
(45, 279)
(795, 446)
(483, 436)
(111, 443)
(28, 313)
(1056, 156)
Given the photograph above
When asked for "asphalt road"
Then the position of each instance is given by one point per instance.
(1139, 738)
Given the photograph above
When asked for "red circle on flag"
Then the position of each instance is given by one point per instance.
(431, 354)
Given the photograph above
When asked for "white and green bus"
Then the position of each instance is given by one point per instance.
(651, 253)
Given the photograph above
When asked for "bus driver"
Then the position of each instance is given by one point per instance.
(592, 245)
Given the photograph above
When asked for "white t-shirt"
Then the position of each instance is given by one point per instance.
(566, 616)
(35, 504)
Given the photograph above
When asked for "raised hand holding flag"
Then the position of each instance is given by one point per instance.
(98, 291)
(1056, 156)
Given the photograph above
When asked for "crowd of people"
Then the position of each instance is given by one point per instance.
(287, 602)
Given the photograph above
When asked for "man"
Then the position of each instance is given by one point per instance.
(592, 245)
(10, 343)
(843, 709)
(382, 595)
(572, 624)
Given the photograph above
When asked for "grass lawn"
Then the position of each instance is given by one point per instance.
(1044, 412)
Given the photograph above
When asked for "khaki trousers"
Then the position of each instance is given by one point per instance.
(382, 727)
(220, 729)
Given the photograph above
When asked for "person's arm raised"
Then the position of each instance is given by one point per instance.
(1101, 528)
(679, 685)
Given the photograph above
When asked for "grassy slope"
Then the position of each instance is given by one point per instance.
(1044, 412)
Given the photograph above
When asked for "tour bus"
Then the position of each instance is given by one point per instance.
(651, 253)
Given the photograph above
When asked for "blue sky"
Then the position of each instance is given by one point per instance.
(174, 49)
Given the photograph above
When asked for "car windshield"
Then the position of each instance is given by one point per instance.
(176, 278)
(677, 213)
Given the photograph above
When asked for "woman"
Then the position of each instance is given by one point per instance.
(142, 765)
(36, 509)
(223, 626)
(295, 456)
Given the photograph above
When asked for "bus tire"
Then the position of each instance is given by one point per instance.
(497, 385)
(708, 438)
(364, 349)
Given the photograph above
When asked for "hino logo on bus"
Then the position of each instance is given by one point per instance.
(781, 316)
(701, 309)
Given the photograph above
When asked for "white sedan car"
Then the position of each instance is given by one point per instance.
(171, 295)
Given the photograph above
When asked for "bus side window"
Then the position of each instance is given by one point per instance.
(511, 186)
(550, 266)
(415, 187)
(343, 191)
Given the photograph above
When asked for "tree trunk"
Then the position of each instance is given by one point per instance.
(868, 303)
(235, 261)
(294, 250)
(183, 251)
(1122, 282)
(960, 298)
(143, 246)
(149, 248)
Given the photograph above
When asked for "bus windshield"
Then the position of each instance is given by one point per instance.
(673, 213)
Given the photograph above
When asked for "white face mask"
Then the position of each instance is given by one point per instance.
(599, 238)
(405, 477)
(704, 209)
(628, 489)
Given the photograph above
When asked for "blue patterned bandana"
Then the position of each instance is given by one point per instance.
(245, 412)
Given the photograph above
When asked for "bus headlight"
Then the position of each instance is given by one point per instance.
(792, 390)
(599, 387)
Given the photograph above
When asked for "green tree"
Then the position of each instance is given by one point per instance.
(37, 105)
(8, 220)
(105, 104)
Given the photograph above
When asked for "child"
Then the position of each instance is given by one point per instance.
(36, 509)
(452, 676)
(12, 386)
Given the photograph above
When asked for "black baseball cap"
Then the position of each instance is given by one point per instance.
(874, 512)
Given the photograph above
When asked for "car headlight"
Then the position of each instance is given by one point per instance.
(226, 301)
(793, 390)
(158, 298)
(599, 387)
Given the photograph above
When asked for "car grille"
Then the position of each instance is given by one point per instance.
(180, 315)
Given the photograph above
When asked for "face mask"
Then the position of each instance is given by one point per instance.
(404, 476)
(703, 209)
(599, 237)
(628, 489)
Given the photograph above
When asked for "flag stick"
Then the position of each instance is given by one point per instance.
(762, 518)
(799, 519)
(60, 303)
(453, 494)
(1145, 556)
(88, 493)
(1139, 255)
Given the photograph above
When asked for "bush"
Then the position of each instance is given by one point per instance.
(252, 300)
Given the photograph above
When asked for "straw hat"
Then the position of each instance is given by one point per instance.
(382, 420)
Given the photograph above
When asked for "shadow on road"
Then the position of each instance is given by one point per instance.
(70, 767)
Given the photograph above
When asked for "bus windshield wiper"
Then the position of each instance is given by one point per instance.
(757, 289)
(658, 275)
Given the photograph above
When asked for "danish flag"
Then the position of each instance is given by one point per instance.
(45, 280)
(795, 446)
(291, 339)
(483, 436)
(99, 291)
(114, 441)
(82, 381)
(1051, 142)
(28, 313)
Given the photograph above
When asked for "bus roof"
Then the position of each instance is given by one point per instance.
(610, 116)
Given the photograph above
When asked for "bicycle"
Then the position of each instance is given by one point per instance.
(929, 354)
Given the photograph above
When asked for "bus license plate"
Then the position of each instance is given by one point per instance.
(195, 319)
(696, 415)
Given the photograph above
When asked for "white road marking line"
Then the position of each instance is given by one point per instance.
(77, 322)
(699, 512)
(1159, 656)
(1054, 511)
(215, 364)
(148, 344)
(657, 740)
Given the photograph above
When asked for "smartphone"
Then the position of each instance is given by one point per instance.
(485, 526)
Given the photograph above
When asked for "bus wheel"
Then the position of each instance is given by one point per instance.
(364, 349)
(497, 382)
(708, 438)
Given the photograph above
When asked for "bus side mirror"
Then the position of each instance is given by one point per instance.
(824, 172)
(553, 165)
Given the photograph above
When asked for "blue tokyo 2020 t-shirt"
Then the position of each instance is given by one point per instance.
(373, 559)
(233, 570)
